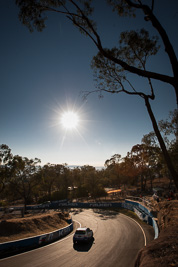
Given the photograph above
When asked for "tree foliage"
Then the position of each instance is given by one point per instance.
(23, 177)
(5, 157)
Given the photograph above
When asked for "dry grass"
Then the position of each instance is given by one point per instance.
(19, 228)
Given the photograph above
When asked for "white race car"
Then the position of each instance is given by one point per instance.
(83, 235)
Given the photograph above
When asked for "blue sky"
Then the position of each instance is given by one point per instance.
(43, 74)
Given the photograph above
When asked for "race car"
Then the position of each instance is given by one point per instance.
(82, 235)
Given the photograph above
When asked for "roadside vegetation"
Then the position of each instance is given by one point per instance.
(25, 180)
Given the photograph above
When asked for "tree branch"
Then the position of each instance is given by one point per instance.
(156, 24)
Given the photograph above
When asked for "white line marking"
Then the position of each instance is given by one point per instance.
(78, 223)
(138, 225)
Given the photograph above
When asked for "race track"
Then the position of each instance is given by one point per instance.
(117, 240)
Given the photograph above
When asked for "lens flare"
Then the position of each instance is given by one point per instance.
(69, 120)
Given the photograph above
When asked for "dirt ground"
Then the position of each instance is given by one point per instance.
(32, 225)
(163, 251)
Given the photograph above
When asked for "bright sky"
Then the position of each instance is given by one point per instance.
(43, 74)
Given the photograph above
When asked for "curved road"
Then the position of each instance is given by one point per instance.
(117, 240)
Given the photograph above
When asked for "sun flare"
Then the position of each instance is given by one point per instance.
(69, 120)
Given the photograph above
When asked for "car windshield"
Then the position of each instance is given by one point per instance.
(80, 232)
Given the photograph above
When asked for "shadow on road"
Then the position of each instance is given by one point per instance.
(76, 211)
(83, 247)
(106, 214)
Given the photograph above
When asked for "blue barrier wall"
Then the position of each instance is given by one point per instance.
(144, 214)
(28, 243)
(82, 205)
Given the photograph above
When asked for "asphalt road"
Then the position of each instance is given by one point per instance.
(117, 240)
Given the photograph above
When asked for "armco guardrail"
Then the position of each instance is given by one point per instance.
(33, 242)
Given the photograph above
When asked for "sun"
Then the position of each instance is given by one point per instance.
(69, 120)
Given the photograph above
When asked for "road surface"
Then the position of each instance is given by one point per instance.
(117, 240)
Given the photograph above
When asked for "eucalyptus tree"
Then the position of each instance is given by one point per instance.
(79, 189)
(91, 182)
(116, 158)
(62, 180)
(66, 180)
(168, 129)
(112, 65)
(88, 174)
(129, 171)
(113, 170)
(5, 157)
(24, 177)
(47, 180)
(146, 159)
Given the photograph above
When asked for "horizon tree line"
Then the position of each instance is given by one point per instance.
(25, 179)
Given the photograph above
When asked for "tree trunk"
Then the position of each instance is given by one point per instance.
(151, 180)
(141, 180)
(177, 125)
(167, 158)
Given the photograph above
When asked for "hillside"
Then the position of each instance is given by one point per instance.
(163, 252)
(18, 228)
